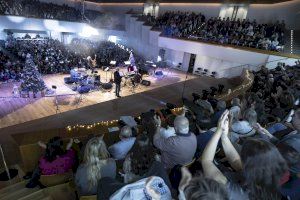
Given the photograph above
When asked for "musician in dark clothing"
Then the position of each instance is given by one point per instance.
(118, 80)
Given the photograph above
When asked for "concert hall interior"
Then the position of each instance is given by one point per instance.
(149, 99)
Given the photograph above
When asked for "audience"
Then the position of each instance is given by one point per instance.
(246, 148)
(96, 165)
(120, 149)
(52, 56)
(38, 9)
(223, 31)
(260, 162)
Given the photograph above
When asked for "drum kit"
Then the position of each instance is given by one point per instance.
(85, 80)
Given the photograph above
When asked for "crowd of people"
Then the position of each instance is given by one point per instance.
(38, 9)
(52, 56)
(212, 149)
(223, 31)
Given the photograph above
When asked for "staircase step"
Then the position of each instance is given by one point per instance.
(17, 194)
(34, 196)
(12, 188)
(47, 198)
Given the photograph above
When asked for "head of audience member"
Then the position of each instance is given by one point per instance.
(221, 105)
(141, 157)
(296, 120)
(95, 156)
(234, 114)
(54, 148)
(263, 168)
(181, 125)
(289, 147)
(250, 116)
(200, 188)
(126, 132)
(142, 140)
(236, 102)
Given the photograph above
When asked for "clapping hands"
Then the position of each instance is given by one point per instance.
(157, 121)
(223, 124)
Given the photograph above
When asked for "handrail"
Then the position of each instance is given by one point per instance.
(254, 66)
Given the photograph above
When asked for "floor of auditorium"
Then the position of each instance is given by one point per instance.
(19, 110)
(108, 110)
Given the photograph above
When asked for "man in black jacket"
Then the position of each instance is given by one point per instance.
(118, 80)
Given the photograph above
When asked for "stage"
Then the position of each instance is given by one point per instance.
(16, 110)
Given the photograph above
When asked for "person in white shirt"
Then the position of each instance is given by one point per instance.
(120, 149)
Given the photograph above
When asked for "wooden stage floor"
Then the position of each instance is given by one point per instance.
(92, 111)
(19, 110)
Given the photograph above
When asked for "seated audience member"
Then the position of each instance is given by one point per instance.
(96, 164)
(236, 102)
(56, 160)
(120, 149)
(139, 160)
(200, 188)
(179, 149)
(261, 164)
(143, 162)
(289, 129)
(289, 147)
(242, 128)
(152, 187)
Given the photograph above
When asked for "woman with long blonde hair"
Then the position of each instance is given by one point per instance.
(96, 164)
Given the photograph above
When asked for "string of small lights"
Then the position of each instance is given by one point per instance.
(104, 123)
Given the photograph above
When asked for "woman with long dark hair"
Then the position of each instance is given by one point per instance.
(56, 160)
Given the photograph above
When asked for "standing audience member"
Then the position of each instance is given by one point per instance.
(179, 149)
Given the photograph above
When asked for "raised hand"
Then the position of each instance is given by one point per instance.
(223, 124)
(186, 177)
(157, 121)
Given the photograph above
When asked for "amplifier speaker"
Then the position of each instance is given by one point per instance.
(84, 89)
(68, 80)
(146, 83)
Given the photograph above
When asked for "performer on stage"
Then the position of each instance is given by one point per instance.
(93, 62)
(118, 80)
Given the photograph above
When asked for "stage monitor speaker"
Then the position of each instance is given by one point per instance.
(146, 83)
(84, 89)
(107, 86)
(68, 80)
